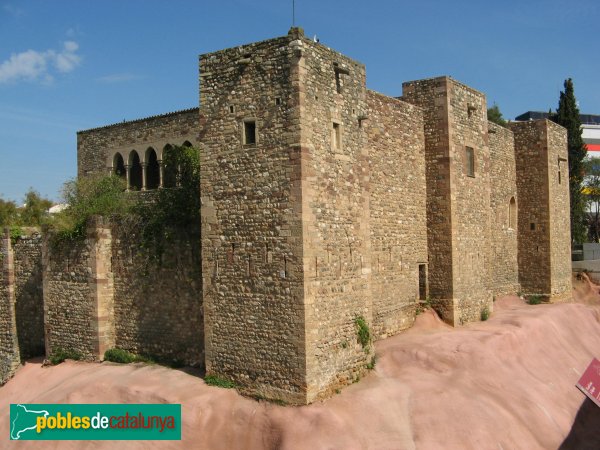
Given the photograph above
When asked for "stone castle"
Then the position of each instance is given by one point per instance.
(322, 202)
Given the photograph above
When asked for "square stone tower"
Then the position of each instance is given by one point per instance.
(544, 238)
(285, 217)
(458, 195)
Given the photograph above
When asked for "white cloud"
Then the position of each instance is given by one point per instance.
(119, 78)
(11, 9)
(32, 65)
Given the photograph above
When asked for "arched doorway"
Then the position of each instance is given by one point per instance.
(119, 166)
(152, 169)
(169, 168)
(135, 171)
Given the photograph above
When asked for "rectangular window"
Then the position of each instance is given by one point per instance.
(337, 136)
(470, 160)
(249, 132)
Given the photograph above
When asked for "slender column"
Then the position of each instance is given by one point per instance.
(161, 173)
(144, 167)
(127, 175)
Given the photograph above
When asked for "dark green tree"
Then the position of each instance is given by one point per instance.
(567, 115)
(494, 115)
(35, 209)
(8, 213)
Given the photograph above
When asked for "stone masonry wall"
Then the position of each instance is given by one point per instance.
(397, 203)
(158, 305)
(531, 154)
(559, 209)
(28, 293)
(96, 147)
(252, 261)
(458, 204)
(335, 215)
(9, 347)
(78, 293)
(504, 268)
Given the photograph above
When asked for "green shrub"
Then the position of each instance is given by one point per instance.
(15, 233)
(534, 299)
(485, 313)
(119, 355)
(215, 380)
(363, 332)
(87, 197)
(59, 355)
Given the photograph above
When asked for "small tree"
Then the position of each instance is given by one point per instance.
(8, 213)
(494, 115)
(567, 115)
(34, 212)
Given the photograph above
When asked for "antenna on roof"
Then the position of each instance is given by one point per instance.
(293, 13)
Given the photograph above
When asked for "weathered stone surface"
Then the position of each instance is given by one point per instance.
(503, 263)
(543, 189)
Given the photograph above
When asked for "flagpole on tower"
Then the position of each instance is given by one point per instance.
(293, 13)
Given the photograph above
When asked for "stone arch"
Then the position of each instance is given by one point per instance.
(118, 166)
(187, 144)
(512, 213)
(169, 170)
(135, 171)
(152, 169)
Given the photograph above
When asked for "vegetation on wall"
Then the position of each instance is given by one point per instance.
(567, 115)
(168, 212)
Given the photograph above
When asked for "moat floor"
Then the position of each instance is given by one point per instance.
(508, 383)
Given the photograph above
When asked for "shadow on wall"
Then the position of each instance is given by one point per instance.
(584, 432)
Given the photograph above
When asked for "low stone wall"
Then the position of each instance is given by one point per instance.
(158, 305)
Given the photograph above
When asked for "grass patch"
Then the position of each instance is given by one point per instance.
(371, 365)
(59, 355)
(215, 380)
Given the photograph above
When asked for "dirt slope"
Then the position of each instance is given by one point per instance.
(507, 383)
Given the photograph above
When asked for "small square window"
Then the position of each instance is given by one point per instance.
(532, 226)
(231, 109)
(249, 132)
(278, 100)
(470, 161)
(337, 136)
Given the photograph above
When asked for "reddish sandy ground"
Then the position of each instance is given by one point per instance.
(508, 383)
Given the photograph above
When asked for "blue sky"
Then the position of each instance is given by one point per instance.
(68, 65)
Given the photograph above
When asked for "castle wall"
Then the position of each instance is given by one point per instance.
(79, 293)
(431, 96)
(9, 347)
(29, 305)
(158, 306)
(335, 215)
(531, 154)
(252, 260)
(96, 147)
(504, 269)
(397, 206)
(459, 122)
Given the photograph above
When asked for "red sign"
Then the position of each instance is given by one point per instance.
(589, 383)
